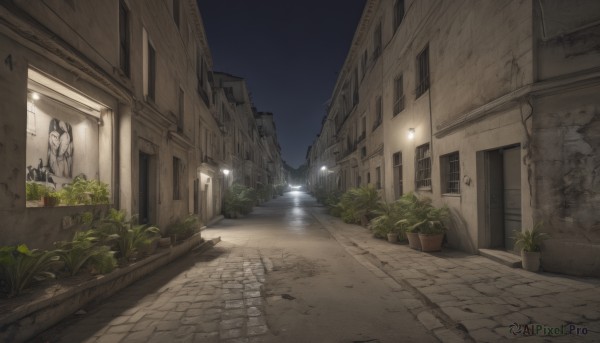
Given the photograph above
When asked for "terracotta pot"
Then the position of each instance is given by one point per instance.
(530, 260)
(392, 237)
(413, 240)
(49, 201)
(431, 242)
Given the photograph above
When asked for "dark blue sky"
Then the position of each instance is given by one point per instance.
(289, 52)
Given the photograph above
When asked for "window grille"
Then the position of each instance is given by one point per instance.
(452, 173)
(423, 157)
(398, 95)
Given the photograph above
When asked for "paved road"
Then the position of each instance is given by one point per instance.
(290, 273)
(277, 276)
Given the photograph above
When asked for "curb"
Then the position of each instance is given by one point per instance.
(33, 318)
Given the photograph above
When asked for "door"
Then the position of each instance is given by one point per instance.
(512, 195)
(503, 196)
(144, 189)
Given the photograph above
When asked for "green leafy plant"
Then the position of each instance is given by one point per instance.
(238, 200)
(123, 235)
(85, 192)
(20, 266)
(530, 240)
(388, 219)
(357, 205)
(183, 229)
(35, 191)
(85, 251)
(419, 215)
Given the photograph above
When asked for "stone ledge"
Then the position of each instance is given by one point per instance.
(31, 319)
(503, 257)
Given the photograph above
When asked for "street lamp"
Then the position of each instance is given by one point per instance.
(323, 168)
(411, 133)
(226, 172)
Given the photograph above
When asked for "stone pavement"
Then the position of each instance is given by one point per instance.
(461, 297)
(212, 297)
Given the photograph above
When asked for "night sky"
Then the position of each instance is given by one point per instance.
(289, 52)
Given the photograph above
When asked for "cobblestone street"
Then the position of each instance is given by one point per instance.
(201, 298)
(290, 273)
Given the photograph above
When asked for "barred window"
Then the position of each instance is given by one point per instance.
(124, 37)
(398, 95)
(377, 42)
(398, 13)
(398, 183)
(451, 173)
(176, 178)
(423, 72)
(423, 166)
(378, 113)
(378, 176)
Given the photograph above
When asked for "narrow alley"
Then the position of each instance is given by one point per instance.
(290, 273)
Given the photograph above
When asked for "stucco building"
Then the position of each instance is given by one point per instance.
(487, 107)
(121, 91)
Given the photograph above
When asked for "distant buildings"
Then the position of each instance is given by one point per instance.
(489, 107)
(121, 91)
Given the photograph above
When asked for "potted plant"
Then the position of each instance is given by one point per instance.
(50, 199)
(530, 242)
(431, 236)
(412, 234)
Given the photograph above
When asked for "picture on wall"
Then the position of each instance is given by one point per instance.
(60, 149)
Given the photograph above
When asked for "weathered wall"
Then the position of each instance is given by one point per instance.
(567, 179)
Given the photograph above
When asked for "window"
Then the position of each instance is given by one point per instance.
(368, 178)
(201, 75)
(123, 38)
(398, 186)
(151, 72)
(176, 176)
(176, 13)
(398, 95)
(423, 166)
(363, 152)
(63, 138)
(378, 177)
(450, 173)
(377, 42)
(363, 128)
(378, 113)
(180, 110)
(398, 13)
(363, 64)
(423, 72)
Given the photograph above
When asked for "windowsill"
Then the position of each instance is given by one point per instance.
(424, 189)
(451, 195)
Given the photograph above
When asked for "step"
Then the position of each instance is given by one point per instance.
(504, 257)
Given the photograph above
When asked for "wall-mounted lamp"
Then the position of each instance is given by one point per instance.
(323, 168)
(226, 172)
(411, 133)
(35, 96)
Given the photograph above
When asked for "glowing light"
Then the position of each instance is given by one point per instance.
(226, 172)
(323, 168)
(35, 96)
(411, 133)
(295, 187)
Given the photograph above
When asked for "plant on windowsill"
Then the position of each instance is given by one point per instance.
(50, 198)
(530, 242)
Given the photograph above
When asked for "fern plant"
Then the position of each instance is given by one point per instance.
(85, 251)
(123, 234)
(85, 192)
(183, 229)
(20, 266)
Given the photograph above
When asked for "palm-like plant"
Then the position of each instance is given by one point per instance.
(116, 230)
(84, 250)
(182, 229)
(530, 240)
(19, 267)
(87, 192)
(357, 204)
(238, 200)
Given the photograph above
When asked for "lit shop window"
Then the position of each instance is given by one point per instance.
(64, 130)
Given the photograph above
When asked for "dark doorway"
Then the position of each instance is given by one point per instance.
(144, 189)
(503, 196)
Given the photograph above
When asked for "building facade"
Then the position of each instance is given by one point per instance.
(486, 107)
(121, 91)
